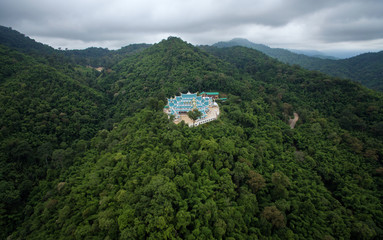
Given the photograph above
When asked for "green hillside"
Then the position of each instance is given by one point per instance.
(366, 69)
(45, 117)
(137, 175)
(14, 39)
(165, 70)
(102, 57)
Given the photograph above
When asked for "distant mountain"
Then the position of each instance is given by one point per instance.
(366, 69)
(246, 43)
(313, 53)
(92, 56)
(278, 53)
(242, 42)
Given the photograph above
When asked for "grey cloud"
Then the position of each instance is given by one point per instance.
(121, 21)
(354, 21)
(367, 29)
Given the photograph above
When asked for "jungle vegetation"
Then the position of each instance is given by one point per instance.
(91, 155)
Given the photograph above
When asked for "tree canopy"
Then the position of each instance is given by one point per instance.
(194, 115)
(91, 155)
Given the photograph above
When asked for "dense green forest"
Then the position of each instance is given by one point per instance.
(91, 155)
(366, 68)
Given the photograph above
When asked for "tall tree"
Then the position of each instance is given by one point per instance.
(194, 115)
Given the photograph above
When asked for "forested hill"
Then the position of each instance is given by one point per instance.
(281, 54)
(137, 175)
(366, 69)
(46, 117)
(102, 57)
(165, 70)
(17, 40)
(95, 57)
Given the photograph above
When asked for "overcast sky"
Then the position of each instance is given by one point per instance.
(326, 25)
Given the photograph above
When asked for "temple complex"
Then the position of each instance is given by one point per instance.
(213, 95)
(179, 106)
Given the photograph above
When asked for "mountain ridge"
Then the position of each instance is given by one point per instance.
(314, 53)
(365, 68)
(14, 39)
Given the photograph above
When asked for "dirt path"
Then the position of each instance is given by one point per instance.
(293, 121)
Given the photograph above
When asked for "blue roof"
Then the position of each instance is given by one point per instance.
(187, 102)
(189, 96)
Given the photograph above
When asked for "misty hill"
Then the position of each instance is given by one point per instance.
(133, 174)
(92, 56)
(366, 68)
(281, 54)
(313, 53)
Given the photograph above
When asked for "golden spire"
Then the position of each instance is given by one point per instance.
(194, 103)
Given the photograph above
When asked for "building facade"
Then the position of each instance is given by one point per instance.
(187, 102)
(213, 95)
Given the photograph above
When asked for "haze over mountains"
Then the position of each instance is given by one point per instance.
(365, 68)
(88, 154)
(317, 54)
